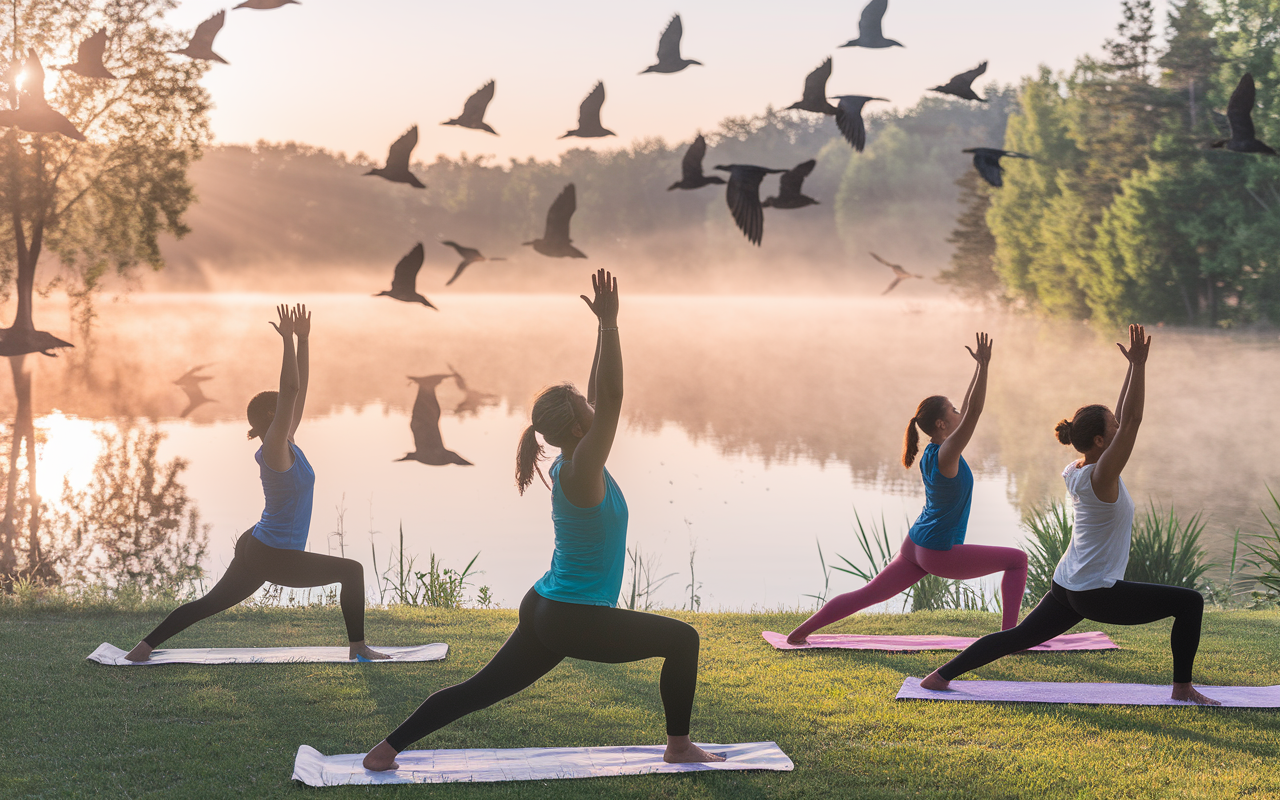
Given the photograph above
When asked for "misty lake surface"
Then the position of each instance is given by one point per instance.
(754, 428)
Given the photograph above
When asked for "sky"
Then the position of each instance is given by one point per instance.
(352, 75)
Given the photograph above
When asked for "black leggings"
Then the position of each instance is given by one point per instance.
(550, 631)
(256, 563)
(1126, 603)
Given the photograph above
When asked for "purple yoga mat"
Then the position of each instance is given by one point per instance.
(1115, 694)
(1092, 640)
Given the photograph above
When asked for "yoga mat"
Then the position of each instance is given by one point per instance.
(1116, 694)
(111, 655)
(526, 764)
(1093, 640)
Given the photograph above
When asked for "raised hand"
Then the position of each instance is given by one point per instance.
(301, 321)
(286, 325)
(983, 354)
(605, 305)
(1139, 345)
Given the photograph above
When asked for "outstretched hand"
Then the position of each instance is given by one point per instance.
(983, 354)
(1139, 345)
(301, 322)
(605, 305)
(286, 325)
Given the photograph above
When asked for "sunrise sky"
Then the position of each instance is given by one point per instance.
(351, 75)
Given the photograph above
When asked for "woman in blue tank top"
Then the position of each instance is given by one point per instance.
(273, 550)
(570, 612)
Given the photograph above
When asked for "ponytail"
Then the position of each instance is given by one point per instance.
(910, 444)
(928, 414)
(553, 416)
(1088, 423)
(528, 454)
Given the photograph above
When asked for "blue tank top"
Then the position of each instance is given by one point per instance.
(945, 518)
(286, 519)
(591, 547)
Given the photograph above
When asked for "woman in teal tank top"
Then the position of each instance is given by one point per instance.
(571, 611)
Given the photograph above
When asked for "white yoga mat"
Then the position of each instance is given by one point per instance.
(526, 764)
(1119, 694)
(111, 655)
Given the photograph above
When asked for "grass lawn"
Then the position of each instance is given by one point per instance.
(73, 728)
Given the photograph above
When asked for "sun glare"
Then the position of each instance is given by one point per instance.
(19, 79)
(68, 448)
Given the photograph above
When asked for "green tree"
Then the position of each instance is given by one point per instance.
(973, 274)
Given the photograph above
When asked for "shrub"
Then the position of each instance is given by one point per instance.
(1167, 550)
(1050, 530)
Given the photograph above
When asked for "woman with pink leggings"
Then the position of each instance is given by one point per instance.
(935, 544)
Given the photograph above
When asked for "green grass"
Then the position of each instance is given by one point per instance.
(72, 728)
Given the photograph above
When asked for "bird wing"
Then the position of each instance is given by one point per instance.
(793, 179)
(458, 380)
(691, 166)
(424, 420)
(406, 274)
(815, 85)
(92, 49)
(849, 120)
(967, 78)
(33, 78)
(457, 247)
(398, 154)
(743, 197)
(559, 213)
(477, 103)
(988, 166)
(1240, 109)
(205, 31)
(894, 267)
(669, 44)
(893, 285)
(869, 22)
(589, 111)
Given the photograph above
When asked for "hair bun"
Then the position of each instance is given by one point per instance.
(1063, 430)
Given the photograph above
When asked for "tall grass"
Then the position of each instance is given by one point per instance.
(438, 586)
(1265, 552)
(1050, 530)
(1166, 549)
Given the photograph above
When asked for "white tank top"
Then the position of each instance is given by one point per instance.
(1098, 552)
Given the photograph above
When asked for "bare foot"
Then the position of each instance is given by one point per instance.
(680, 750)
(1188, 693)
(796, 641)
(362, 649)
(935, 682)
(381, 758)
(140, 652)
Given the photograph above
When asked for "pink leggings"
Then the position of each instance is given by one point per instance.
(962, 562)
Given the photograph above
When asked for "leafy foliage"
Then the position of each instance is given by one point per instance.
(1050, 530)
(1167, 550)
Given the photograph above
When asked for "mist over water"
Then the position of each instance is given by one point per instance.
(753, 426)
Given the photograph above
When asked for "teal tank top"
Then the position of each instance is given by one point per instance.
(591, 547)
(945, 518)
(286, 518)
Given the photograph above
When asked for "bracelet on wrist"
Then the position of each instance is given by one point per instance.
(603, 328)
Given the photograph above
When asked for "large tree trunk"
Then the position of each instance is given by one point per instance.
(39, 565)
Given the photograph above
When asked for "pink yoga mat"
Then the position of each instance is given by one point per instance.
(1092, 640)
(1118, 694)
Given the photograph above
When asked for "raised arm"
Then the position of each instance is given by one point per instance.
(595, 364)
(1106, 476)
(1124, 391)
(583, 476)
(275, 444)
(952, 448)
(302, 328)
(968, 393)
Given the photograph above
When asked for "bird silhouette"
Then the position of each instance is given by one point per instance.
(899, 274)
(34, 114)
(190, 385)
(691, 168)
(743, 196)
(424, 421)
(589, 126)
(870, 33)
(669, 59)
(404, 284)
(201, 45)
(815, 91)
(470, 256)
(849, 118)
(789, 184)
(267, 5)
(555, 242)
(961, 85)
(474, 401)
(397, 168)
(89, 57)
(472, 115)
(987, 161)
(1240, 121)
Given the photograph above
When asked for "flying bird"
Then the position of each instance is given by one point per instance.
(267, 5)
(556, 242)
(961, 85)
(404, 283)
(201, 45)
(691, 168)
(669, 59)
(869, 30)
(424, 421)
(743, 196)
(397, 168)
(34, 114)
(472, 115)
(470, 256)
(589, 126)
(987, 161)
(474, 401)
(815, 91)
(789, 184)
(1240, 121)
(190, 385)
(899, 274)
(849, 118)
(89, 57)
